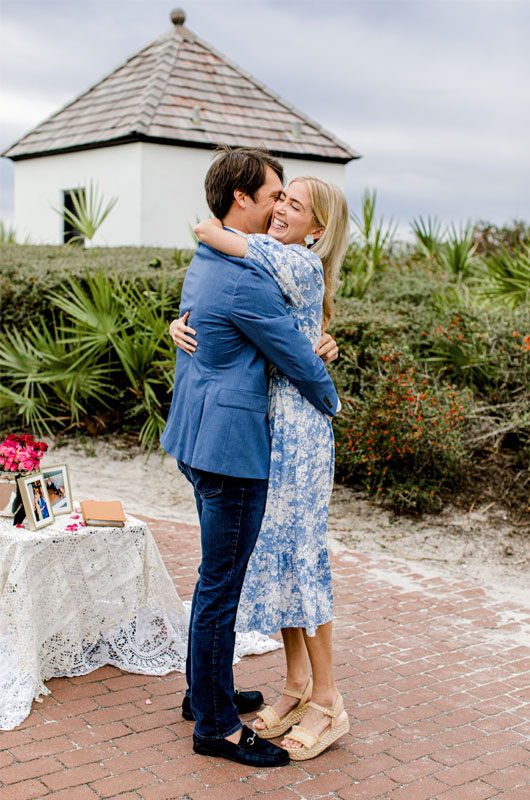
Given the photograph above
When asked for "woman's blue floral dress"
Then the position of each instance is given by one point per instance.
(288, 578)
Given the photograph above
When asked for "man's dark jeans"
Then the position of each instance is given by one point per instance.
(230, 513)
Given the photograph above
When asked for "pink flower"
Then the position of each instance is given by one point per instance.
(21, 453)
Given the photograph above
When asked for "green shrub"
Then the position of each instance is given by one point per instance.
(101, 359)
(30, 274)
(434, 377)
(400, 432)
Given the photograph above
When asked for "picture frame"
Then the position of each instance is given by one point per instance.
(59, 488)
(35, 500)
(8, 490)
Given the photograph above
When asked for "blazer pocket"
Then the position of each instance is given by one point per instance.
(248, 401)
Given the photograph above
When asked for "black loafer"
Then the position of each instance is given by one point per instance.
(249, 750)
(245, 702)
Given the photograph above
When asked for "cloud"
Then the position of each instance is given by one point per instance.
(20, 112)
(430, 92)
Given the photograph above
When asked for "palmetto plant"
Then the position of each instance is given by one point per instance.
(108, 349)
(458, 254)
(48, 381)
(89, 211)
(507, 277)
(429, 236)
(369, 250)
(7, 235)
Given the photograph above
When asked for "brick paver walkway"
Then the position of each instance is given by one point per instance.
(435, 676)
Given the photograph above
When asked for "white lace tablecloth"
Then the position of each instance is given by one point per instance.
(71, 602)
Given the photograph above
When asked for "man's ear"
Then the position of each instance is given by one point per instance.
(240, 198)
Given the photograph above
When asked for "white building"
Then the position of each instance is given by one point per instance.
(145, 134)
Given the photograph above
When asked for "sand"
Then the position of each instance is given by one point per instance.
(484, 543)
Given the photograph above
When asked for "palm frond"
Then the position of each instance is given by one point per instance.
(89, 212)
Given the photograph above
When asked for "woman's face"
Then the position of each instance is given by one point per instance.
(292, 216)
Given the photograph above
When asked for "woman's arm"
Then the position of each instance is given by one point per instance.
(211, 232)
(327, 347)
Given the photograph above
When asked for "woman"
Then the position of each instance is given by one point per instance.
(39, 503)
(288, 578)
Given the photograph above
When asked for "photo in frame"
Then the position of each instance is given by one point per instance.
(57, 480)
(36, 501)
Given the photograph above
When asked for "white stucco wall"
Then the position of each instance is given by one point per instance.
(172, 193)
(173, 190)
(40, 182)
(296, 167)
(160, 190)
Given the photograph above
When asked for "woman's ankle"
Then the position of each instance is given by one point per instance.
(326, 697)
(297, 683)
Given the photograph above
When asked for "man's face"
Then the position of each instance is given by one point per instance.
(259, 211)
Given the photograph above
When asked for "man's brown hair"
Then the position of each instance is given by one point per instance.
(239, 169)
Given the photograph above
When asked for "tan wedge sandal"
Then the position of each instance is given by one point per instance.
(275, 725)
(313, 744)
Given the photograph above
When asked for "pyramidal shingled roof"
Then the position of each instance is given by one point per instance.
(179, 90)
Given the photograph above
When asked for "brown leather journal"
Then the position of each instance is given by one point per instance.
(100, 512)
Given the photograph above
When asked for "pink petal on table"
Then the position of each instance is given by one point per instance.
(18, 525)
(74, 516)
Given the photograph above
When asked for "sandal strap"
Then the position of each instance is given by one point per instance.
(303, 735)
(269, 717)
(305, 694)
(334, 712)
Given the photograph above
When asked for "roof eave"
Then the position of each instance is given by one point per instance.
(141, 137)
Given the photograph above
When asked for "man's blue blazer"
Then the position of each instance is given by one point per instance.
(218, 417)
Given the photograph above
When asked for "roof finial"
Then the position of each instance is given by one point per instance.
(178, 16)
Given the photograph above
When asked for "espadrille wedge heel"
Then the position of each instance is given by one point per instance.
(313, 745)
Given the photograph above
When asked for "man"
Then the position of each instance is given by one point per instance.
(218, 431)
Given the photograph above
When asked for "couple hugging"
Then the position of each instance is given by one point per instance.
(250, 427)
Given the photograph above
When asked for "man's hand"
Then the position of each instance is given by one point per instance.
(327, 348)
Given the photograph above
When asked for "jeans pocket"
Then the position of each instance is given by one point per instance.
(207, 484)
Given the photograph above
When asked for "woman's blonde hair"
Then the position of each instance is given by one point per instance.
(330, 211)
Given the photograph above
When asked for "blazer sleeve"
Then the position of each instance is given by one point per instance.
(259, 311)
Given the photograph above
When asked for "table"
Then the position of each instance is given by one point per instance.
(71, 602)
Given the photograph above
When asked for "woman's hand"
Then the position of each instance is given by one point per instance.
(179, 331)
(327, 348)
(207, 226)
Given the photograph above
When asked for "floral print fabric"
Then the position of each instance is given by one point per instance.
(288, 578)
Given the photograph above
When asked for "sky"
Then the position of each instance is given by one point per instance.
(435, 94)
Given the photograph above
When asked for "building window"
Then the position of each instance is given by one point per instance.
(70, 232)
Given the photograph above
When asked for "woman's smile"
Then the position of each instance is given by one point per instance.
(292, 217)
